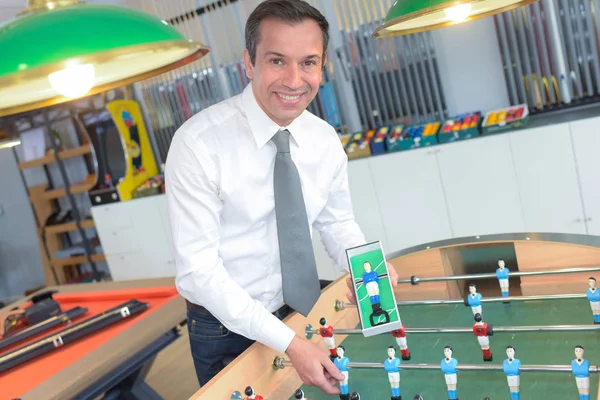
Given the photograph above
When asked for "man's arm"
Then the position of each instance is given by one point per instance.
(194, 216)
(336, 223)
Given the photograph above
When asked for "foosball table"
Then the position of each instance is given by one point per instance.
(527, 327)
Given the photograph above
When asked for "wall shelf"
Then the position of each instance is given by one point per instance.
(51, 158)
(69, 226)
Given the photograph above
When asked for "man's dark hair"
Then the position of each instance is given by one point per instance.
(290, 11)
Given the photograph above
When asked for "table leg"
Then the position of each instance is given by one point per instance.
(127, 380)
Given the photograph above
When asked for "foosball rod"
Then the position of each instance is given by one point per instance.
(281, 363)
(340, 305)
(414, 280)
(309, 331)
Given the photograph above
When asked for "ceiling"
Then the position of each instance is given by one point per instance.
(10, 8)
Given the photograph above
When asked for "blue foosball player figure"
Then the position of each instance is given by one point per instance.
(448, 366)
(341, 362)
(502, 275)
(593, 295)
(512, 369)
(371, 282)
(581, 371)
(473, 300)
(392, 366)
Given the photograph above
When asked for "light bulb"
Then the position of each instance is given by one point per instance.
(73, 81)
(458, 13)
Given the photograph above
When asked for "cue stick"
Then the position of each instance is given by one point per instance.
(340, 305)
(534, 328)
(66, 336)
(281, 363)
(63, 318)
(414, 280)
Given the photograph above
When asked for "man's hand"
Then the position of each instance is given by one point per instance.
(393, 275)
(314, 366)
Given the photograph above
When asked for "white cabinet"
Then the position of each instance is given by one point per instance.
(411, 197)
(480, 186)
(547, 178)
(533, 180)
(366, 212)
(585, 135)
(135, 238)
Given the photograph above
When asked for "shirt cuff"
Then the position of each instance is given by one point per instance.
(276, 335)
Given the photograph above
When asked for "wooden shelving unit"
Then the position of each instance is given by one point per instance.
(63, 155)
(45, 203)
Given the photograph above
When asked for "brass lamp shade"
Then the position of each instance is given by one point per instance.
(58, 50)
(412, 16)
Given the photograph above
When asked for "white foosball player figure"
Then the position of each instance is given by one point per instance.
(392, 366)
(473, 300)
(448, 366)
(581, 371)
(502, 275)
(512, 369)
(593, 295)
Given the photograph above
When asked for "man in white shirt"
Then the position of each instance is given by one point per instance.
(219, 187)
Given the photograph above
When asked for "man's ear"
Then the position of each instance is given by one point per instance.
(248, 64)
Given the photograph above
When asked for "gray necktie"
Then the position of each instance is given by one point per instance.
(298, 267)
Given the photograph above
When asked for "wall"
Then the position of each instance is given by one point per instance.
(470, 67)
(20, 259)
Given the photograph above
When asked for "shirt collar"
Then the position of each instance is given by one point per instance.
(262, 126)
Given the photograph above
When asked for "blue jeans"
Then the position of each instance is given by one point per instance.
(213, 346)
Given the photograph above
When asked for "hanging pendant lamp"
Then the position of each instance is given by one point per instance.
(59, 50)
(411, 16)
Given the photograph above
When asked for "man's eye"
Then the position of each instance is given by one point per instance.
(277, 61)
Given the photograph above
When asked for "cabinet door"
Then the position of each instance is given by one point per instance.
(480, 186)
(366, 213)
(411, 198)
(586, 143)
(547, 179)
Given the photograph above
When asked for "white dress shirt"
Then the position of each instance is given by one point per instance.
(219, 188)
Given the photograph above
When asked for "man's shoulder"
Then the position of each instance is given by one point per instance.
(211, 121)
(320, 127)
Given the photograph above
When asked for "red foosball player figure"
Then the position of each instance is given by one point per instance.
(327, 333)
(483, 330)
(400, 335)
(251, 395)
(299, 395)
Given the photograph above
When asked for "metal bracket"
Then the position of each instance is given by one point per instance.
(125, 312)
(308, 331)
(58, 341)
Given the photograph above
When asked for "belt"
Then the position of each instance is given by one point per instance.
(282, 312)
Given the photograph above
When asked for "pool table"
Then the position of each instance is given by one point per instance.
(527, 252)
(113, 360)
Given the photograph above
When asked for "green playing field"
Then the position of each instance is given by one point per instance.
(531, 348)
(375, 258)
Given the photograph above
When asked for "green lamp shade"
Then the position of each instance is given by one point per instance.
(116, 45)
(411, 16)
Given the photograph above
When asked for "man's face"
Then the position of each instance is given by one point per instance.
(287, 70)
